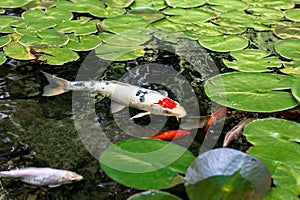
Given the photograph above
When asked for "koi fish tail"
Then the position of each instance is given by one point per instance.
(56, 85)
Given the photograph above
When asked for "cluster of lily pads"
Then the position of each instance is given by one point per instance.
(54, 32)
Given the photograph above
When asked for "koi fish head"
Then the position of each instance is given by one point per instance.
(70, 177)
(168, 107)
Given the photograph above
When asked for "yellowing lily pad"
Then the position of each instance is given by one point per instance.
(224, 43)
(58, 56)
(253, 60)
(252, 91)
(17, 51)
(185, 3)
(293, 14)
(119, 53)
(289, 48)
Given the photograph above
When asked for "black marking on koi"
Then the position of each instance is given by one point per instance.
(141, 94)
(80, 84)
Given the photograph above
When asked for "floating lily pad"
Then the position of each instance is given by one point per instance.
(4, 40)
(2, 11)
(2, 58)
(253, 60)
(286, 32)
(17, 51)
(276, 143)
(266, 15)
(157, 4)
(119, 53)
(293, 14)
(219, 5)
(146, 163)
(39, 20)
(279, 4)
(13, 3)
(224, 43)
(82, 26)
(168, 25)
(149, 14)
(7, 23)
(296, 90)
(185, 3)
(118, 3)
(293, 71)
(44, 38)
(128, 38)
(183, 16)
(58, 56)
(119, 24)
(289, 48)
(83, 43)
(81, 6)
(153, 195)
(251, 91)
(227, 174)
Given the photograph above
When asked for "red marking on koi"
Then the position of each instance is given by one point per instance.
(167, 103)
(171, 135)
(217, 115)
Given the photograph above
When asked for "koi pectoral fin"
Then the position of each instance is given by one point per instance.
(140, 115)
(116, 107)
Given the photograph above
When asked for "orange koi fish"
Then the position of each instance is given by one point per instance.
(171, 135)
(217, 115)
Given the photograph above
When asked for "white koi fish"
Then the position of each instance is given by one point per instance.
(121, 94)
(43, 176)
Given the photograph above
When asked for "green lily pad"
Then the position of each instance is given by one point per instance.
(224, 43)
(2, 58)
(286, 32)
(252, 60)
(13, 3)
(185, 3)
(17, 51)
(279, 4)
(58, 56)
(227, 174)
(149, 14)
(153, 195)
(168, 25)
(7, 23)
(4, 40)
(82, 26)
(276, 143)
(251, 91)
(266, 15)
(156, 4)
(119, 24)
(279, 194)
(293, 71)
(118, 3)
(219, 5)
(39, 20)
(296, 90)
(289, 48)
(83, 43)
(2, 11)
(293, 14)
(183, 16)
(128, 38)
(146, 163)
(119, 53)
(43, 39)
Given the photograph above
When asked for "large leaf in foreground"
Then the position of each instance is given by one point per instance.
(146, 163)
(252, 91)
(276, 143)
(227, 174)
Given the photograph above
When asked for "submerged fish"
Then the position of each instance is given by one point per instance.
(171, 135)
(121, 94)
(43, 176)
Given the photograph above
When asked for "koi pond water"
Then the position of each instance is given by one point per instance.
(234, 68)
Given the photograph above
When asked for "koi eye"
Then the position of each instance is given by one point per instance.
(167, 111)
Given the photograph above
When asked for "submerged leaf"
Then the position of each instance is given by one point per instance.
(146, 163)
(251, 91)
(227, 174)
